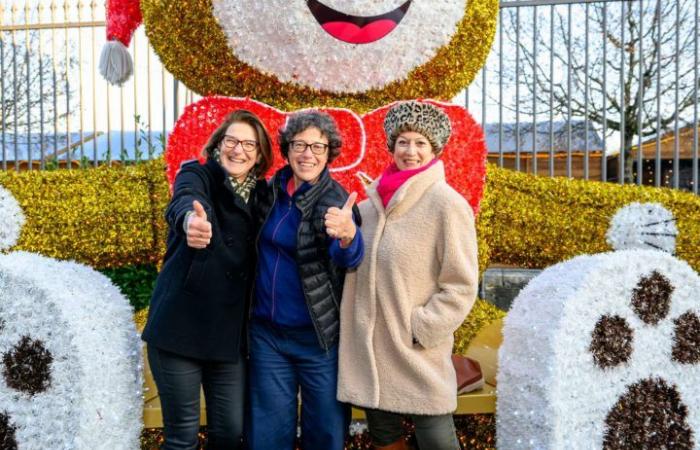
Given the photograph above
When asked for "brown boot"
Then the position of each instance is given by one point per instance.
(398, 445)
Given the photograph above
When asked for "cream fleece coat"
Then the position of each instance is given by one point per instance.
(418, 279)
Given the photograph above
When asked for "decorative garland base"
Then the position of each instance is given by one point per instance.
(475, 432)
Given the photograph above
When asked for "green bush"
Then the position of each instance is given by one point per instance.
(135, 282)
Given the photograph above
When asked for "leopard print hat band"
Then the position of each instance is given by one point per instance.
(423, 118)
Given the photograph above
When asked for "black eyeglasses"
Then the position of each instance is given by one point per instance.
(317, 148)
(230, 142)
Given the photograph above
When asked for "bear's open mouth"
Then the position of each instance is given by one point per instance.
(356, 29)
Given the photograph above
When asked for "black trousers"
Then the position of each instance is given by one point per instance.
(178, 379)
(432, 432)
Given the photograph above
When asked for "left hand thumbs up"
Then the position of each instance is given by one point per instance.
(339, 223)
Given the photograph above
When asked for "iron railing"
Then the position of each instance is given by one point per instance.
(549, 95)
(56, 108)
(561, 94)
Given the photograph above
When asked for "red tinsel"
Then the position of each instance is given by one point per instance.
(123, 18)
(464, 155)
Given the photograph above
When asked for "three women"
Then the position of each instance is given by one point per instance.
(400, 307)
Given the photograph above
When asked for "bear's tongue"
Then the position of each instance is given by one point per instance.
(356, 29)
(353, 34)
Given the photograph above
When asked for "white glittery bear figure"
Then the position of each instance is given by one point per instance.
(643, 225)
(71, 359)
(603, 351)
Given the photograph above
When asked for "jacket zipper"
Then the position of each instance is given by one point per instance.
(277, 260)
(257, 270)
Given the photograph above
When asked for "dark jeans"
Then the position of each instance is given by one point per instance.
(284, 361)
(178, 379)
(432, 432)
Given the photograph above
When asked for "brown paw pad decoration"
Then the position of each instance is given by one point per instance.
(603, 352)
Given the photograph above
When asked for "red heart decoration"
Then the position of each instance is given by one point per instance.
(364, 142)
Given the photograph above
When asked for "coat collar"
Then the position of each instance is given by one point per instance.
(409, 193)
(217, 172)
(309, 197)
(221, 182)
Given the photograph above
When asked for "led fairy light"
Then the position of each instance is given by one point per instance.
(70, 358)
(297, 53)
(11, 219)
(603, 351)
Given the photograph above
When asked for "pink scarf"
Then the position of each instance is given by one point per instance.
(393, 178)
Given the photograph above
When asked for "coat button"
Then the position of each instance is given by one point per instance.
(244, 275)
(229, 275)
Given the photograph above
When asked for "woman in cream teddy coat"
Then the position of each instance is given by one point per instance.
(414, 288)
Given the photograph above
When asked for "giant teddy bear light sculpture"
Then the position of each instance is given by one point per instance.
(348, 58)
(71, 374)
(603, 351)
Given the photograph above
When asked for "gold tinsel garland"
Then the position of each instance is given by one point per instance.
(191, 44)
(482, 314)
(103, 217)
(540, 221)
(113, 217)
(484, 229)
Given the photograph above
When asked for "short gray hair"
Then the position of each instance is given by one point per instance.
(298, 122)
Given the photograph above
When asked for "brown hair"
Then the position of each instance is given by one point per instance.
(264, 142)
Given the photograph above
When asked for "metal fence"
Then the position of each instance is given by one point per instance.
(594, 89)
(57, 111)
(588, 89)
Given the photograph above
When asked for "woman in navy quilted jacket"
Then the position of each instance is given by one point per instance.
(307, 240)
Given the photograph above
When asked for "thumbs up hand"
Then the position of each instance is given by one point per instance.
(339, 223)
(198, 227)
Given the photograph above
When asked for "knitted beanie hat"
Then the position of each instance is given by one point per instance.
(423, 118)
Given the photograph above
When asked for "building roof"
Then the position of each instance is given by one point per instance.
(116, 145)
(559, 143)
(667, 145)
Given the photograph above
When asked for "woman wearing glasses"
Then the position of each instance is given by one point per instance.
(199, 306)
(308, 238)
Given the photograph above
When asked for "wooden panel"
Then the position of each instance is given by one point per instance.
(484, 349)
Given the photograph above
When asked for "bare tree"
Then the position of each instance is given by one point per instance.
(627, 66)
(35, 91)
